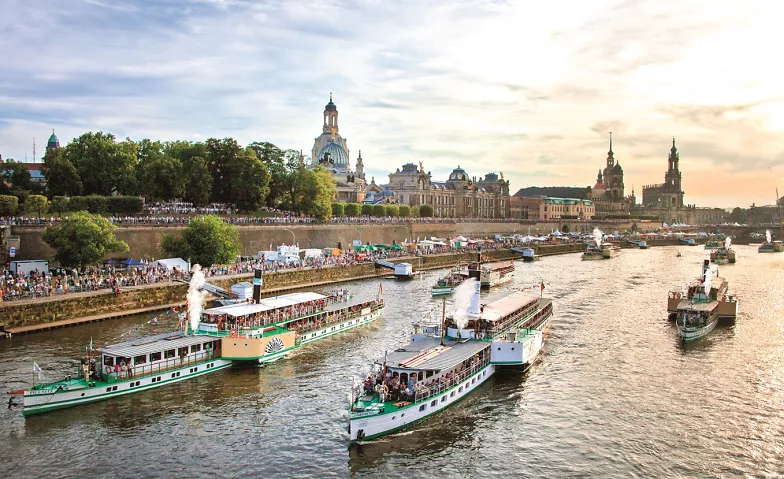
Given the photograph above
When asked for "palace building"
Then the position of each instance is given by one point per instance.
(607, 195)
(330, 150)
(460, 196)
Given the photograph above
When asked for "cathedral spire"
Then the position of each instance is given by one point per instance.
(610, 155)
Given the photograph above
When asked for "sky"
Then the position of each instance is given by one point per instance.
(530, 89)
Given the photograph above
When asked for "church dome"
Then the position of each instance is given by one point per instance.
(458, 174)
(599, 186)
(331, 106)
(336, 153)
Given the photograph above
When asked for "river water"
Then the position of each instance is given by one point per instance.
(615, 394)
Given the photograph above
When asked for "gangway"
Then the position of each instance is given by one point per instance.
(385, 264)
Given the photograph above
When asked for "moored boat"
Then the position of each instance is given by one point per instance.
(448, 283)
(605, 251)
(446, 362)
(713, 243)
(770, 246)
(490, 274)
(724, 254)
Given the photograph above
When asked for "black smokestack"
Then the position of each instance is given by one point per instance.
(257, 283)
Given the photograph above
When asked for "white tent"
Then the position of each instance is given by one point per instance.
(171, 263)
(556, 233)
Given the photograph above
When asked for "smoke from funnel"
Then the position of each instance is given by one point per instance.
(597, 236)
(727, 242)
(466, 301)
(195, 296)
(707, 283)
(768, 237)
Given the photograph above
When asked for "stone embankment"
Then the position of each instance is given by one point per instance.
(65, 310)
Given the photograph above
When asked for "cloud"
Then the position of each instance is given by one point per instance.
(530, 89)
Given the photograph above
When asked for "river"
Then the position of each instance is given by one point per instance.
(614, 394)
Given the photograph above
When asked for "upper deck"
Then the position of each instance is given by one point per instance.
(427, 354)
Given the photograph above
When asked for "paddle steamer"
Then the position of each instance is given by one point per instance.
(446, 362)
(490, 274)
(263, 331)
(706, 301)
(448, 283)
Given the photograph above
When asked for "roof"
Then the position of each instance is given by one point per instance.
(154, 344)
(267, 304)
(506, 305)
(700, 307)
(336, 152)
(428, 354)
(410, 168)
(458, 174)
(566, 201)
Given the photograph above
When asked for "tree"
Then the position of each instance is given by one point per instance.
(82, 239)
(367, 210)
(59, 204)
(8, 205)
(415, 211)
(61, 176)
(392, 210)
(352, 209)
(198, 181)
(104, 166)
(318, 191)
(739, 215)
(206, 241)
(404, 211)
(160, 176)
(36, 205)
(249, 180)
(425, 211)
(18, 175)
(275, 160)
(379, 211)
(338, 209)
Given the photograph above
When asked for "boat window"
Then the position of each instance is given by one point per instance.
(169, 353)
(140, 359)
(452, 395)
(460, 389)
(433, 402)
(429, 373)
(195, 348)
(443, 398)
(182, 351)
(473, 381)
(155, 356)
(422, 407)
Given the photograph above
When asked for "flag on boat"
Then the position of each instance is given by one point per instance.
(541, 285)
(380, 289)
(91, 344)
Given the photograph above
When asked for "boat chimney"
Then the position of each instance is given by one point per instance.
(705, 266)
(258, 282)
(474, 308)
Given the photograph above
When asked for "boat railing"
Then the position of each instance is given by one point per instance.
(337, 317)
(441, 386)
(144, 370)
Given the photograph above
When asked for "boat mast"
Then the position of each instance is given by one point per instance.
(443, 317)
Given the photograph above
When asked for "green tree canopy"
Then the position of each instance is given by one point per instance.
(36, 205)
(404, 211)
(392, 210)
(160, 175)
(61, 176)
(206, 241)
(338, 209)
(249, 180)
(425, 211)
(379, 211)
(353, 209)
(83, 239)
(8, 205)
(275, 160)
(17, 175)
(317, 192)
(367, 210)
(104, 166)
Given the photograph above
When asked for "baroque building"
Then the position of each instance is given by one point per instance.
(460, 196)
(330, 150)
(665, 200)
(607, 195)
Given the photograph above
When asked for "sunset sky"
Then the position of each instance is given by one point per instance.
(528, 88)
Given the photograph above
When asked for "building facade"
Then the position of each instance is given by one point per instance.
(608, 194)
(330, 150)
(460, 196)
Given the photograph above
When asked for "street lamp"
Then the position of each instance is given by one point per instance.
(293, 237)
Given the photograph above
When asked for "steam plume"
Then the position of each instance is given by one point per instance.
(727, 242)
(195, 296)
(767, 236)
(597, 236)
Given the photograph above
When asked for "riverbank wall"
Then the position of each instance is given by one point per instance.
(145, 241)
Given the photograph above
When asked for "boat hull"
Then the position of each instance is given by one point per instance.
(442, 290)
(369, 425)
(693, 333)
(39, 401)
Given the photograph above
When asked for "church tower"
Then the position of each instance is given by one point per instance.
(330, 116)
(360, 166)
(53, 143)
(672, 179)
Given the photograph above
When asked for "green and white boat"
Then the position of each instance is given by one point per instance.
(446, 362)
(271, 328)
(147, 363)
(450, 282)
(263, 331)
